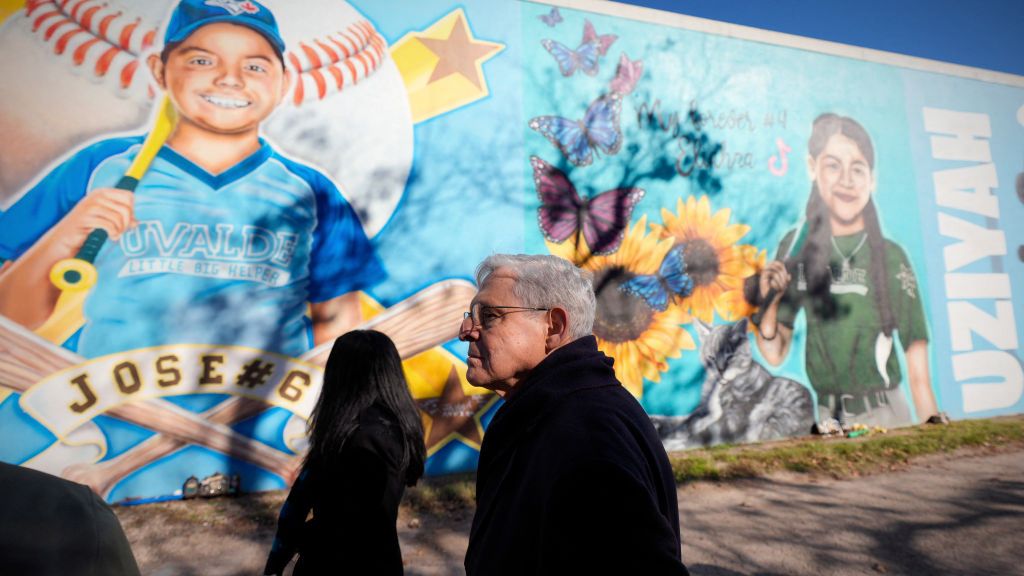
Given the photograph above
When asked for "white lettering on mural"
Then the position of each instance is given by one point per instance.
(976, 242)
(251, 253)
(968, 189)
(981, 285)
(999, 329)
(989, 379)
(959, 136)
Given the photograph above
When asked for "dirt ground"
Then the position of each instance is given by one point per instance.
(951, 514)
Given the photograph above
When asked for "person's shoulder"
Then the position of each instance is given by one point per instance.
(110, 146)
(378, 430)
(14, 474)
(596, 427)
(96, 152)
(316, 179)
(895, 252)
(597, 409)
(54, 516)
(117, 143)
(608, 392)
(30, 485)
(377, 417)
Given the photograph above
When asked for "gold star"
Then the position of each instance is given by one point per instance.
(454, 414)
(459, 53)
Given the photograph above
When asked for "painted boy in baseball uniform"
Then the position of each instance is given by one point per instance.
(224, 241)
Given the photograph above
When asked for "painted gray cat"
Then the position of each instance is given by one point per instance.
(740, 400)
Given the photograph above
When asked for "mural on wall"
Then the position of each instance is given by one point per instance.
(774, 241)
(680, 169)
(197, 287)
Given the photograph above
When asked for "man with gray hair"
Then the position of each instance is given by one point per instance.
(572, 477)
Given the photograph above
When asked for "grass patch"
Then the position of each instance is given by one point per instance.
(453, 497)
(842, 457)
(442, 494)
(836, 457)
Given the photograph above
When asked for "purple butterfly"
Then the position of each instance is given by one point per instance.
(578, 139)
(551, 19)
(626, 75)
(602, 219)
(670, 281)
(585, 56)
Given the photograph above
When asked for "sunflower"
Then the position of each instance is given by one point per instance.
(639, 337)
(715, 263)
(737, 301)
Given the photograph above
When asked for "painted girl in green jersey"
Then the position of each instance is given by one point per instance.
(857, 289)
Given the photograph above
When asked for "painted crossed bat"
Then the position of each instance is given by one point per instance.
(418, 323)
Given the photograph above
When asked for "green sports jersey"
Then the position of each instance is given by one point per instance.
(842, 348)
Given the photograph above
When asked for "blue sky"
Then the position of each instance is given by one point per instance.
(981, 33)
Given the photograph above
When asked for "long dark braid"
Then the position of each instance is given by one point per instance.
(816, 253)
(878, 260)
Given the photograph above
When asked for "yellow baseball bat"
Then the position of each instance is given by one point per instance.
(75, 276)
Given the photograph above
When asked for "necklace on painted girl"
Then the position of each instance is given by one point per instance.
(847, 258)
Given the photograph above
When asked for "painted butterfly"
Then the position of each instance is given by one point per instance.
(670, 281)
(626, 75)
(578, 139)
(551, 19)
(585, 56)
(603, 41)
(602, 219)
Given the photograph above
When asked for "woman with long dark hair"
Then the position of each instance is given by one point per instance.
(857, 289)
(366, 445)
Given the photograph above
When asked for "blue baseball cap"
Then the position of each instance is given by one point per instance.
(191, 15)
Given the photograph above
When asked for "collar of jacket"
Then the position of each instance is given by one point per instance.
(576, 366)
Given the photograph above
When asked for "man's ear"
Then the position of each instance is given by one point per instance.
(558, 329)
(156, 67)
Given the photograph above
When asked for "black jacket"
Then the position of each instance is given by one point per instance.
(573, 478)
(49, 525)
(354, 499)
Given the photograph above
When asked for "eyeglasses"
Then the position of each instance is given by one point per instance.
(484, 317)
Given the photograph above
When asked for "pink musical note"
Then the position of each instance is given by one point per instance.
(775, 165)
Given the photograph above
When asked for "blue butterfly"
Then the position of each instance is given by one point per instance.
(578, 139)
(585, 57)
(670, 281)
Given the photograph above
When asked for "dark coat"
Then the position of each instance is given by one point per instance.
(573, 478)
(354, 499)
(49, 525)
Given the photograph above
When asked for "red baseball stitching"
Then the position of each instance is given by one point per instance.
(113, 42)
(109, 37)
(320, 60)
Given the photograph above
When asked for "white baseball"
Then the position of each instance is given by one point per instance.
(75, 72)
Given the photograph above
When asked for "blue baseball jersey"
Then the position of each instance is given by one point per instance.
(225, 259)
